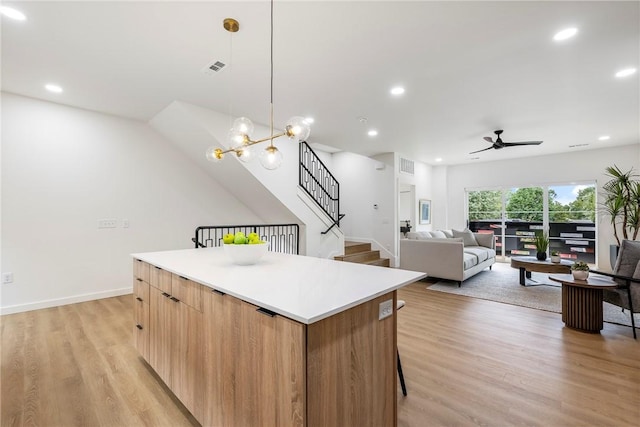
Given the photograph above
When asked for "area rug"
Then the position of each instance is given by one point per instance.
(501, 284)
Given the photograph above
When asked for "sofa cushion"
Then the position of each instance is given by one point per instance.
(439, 234)
(469, 260)
(448, 233)
(480, 252)
(468, 239)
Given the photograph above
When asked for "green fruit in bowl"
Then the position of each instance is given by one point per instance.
(239, 238)
(253, 236)
(228, 238)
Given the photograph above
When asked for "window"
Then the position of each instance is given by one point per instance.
(515, 215)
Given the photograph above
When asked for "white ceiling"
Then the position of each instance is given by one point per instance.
(468, 68)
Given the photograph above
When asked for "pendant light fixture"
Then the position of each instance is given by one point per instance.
(239, 137)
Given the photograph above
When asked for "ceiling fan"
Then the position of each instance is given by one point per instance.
(498, 143)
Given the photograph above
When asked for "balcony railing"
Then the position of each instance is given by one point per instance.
(283, 238)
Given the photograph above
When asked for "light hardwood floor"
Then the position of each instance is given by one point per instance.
(466, 362)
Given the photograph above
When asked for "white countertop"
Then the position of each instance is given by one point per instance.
(303, 288)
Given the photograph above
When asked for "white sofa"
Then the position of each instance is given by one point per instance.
(447, 254)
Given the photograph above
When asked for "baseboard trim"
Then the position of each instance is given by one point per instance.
(19, 308)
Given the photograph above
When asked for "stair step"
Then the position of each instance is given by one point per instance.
(355, 247)
(361, 257)
(382, 262)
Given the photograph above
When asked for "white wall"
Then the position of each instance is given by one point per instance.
(422, 180)
(273, 194)
(362, 187)
(587, 165)
(65, 168)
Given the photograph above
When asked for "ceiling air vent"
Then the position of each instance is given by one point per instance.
(214, 67)
(406, 166)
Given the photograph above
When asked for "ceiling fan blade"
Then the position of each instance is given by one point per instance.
(513, 144)
(488, 139)
(484, 149)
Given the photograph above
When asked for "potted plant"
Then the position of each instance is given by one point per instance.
(555, 257)
(621, 202)
(542, 243)
(580, 270)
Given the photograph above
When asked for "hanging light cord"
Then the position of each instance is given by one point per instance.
(271, 60)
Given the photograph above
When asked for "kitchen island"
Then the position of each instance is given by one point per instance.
(291, 340)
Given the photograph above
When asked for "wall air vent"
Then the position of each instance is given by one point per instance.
(214, 67)
(406, 166)
(578, 145)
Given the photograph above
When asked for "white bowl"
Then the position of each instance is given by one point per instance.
(246, 254)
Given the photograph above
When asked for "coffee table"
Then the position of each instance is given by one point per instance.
(527, 264)
(582, 301)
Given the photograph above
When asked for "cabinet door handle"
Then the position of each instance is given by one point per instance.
(183, 278)
(164, 294)
(139, 327)
(218, 292)
(158, 268)
(266, 312)
(138, 279)
(139, 299)
(175, 299)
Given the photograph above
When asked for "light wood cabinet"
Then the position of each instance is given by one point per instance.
(232, 363)
(187, 356)
(160, 334)
(176, 351)
(187, 291)
(141, 317)
(338, 371)
(141, 270)
(160, 278)
(251, 355)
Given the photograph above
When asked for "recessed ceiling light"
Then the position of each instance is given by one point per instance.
(626, 72)
(309, 120)
(604, 138)
(398, 90)
(12, 13)
(567, 33)
(438, 159)
(372, 132)
(53, 88)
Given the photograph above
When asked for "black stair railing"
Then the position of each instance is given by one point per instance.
(283, 238)
(320, 184)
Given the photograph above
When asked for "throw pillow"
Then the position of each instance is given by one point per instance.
(448, 233)
(468, 239)
(438, 234)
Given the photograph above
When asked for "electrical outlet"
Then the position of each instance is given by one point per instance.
(7, 277)
(107, 223)
(386, 309)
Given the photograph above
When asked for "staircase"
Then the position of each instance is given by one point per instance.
(362, 253)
